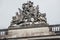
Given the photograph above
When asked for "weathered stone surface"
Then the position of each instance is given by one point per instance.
(29, 13)
(30, 18)
(29, 32)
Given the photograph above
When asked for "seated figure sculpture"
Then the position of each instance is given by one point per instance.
(15, 19)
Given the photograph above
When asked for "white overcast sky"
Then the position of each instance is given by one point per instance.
(9, 7)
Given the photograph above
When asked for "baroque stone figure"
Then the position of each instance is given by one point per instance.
(29, 13)
(43, 17)
(15, 19)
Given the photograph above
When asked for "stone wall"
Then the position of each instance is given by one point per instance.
(29, 32)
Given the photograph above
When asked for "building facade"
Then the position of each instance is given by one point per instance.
(30, 24)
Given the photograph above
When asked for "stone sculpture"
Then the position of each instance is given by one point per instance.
(28, 14)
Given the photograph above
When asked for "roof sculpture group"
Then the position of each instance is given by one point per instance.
(29, 13)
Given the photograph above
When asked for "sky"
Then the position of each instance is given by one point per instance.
(8, 8)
